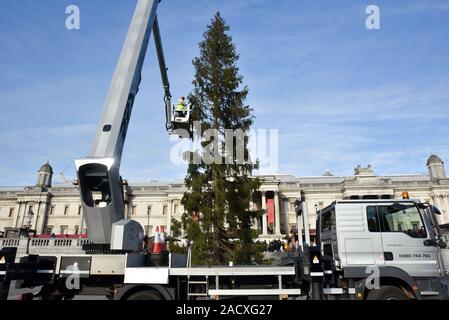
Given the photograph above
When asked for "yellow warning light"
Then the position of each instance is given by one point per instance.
(405, 195)
(316, 260)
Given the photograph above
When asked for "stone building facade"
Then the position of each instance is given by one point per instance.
(56, 209)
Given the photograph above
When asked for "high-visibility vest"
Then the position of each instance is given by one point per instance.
(181, 106)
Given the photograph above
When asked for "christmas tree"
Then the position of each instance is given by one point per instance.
(218, 218)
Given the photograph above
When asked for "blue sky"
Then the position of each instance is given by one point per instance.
(339, 94)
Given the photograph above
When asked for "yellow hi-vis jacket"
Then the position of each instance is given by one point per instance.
(181, 106)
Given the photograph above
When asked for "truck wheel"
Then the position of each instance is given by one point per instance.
(145, 295)
(387, 293)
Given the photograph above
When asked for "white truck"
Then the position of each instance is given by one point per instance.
(398, 239)
(390, 246)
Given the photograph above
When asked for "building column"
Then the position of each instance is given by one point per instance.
(277, 216)
(446, 214)
(36, 217)
(306, 223)
(286, 213)
(169, 216)
(44, 218)
(264, 216)
(16, 216)
(25, 213)
(440, 205)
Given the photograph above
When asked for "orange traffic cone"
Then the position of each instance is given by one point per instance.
(159, 242)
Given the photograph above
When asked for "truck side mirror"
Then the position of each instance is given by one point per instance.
(436, 210)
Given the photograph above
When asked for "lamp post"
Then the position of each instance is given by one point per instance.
(317, 219)
(148, 221)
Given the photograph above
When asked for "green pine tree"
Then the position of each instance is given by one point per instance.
(218, 219)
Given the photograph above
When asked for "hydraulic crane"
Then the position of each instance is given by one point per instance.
(99, 177)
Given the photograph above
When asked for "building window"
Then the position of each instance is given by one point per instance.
(133, 210)
(79, 210)
(66, 210)
(77, 230)
(11, 212)
(176, 208)
(63, 230)
(30, 211)
(52, 210)
(49, 230)
(164, 210)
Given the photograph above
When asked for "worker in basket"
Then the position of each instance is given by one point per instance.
(181, 107)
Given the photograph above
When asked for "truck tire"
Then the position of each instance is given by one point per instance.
(387, 293)
(145, 295)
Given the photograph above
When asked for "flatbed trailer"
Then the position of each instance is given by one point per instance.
(50, 264)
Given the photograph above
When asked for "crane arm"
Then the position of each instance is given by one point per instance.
(164, 75)
(99, 179)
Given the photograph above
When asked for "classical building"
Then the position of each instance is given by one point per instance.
(50, 208)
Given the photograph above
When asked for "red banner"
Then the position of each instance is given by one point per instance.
(270, 211)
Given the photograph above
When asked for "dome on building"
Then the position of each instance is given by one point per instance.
(44, 176)
(46, 168)
(328, 173)
(436, 167)
(434, 159)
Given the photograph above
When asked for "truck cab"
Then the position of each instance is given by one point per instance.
(393, 240)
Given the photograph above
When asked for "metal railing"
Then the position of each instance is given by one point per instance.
(44, 246)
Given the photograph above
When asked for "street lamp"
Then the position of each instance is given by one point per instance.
(148, 221)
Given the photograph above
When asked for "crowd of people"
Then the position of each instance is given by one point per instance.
(278, 245)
